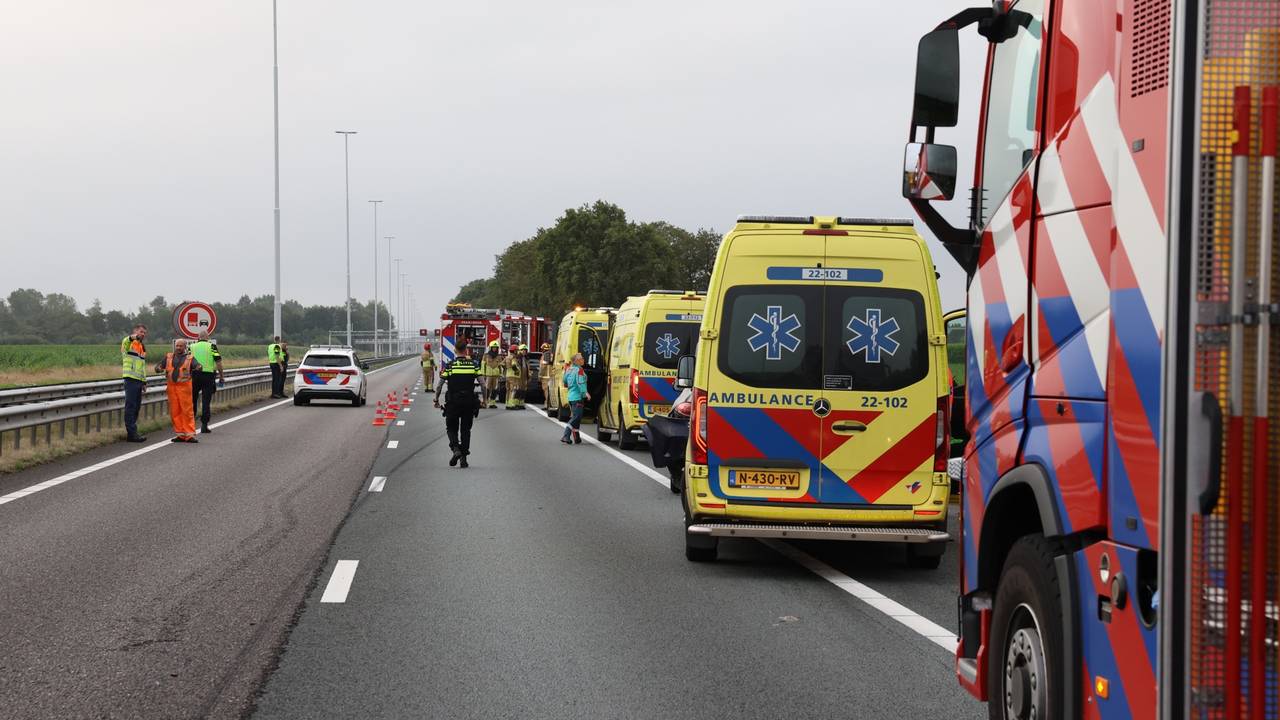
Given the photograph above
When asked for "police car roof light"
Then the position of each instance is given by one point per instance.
(908, 222)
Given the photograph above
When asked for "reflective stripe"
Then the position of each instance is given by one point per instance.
(205, 353)
(184, 371)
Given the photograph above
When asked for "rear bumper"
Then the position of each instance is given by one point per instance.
(819, 532)
(318, 394)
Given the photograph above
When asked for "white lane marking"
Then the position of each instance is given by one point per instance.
(378, 482)
(414, 395)
(407, 409)
(393, 444)
(917, 623)
(399, 423)
(32, 489)
(340, 582)
(654, 475)
(921, 625)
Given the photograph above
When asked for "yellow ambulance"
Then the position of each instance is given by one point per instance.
(651, 333)
(819, 383)
(586, 331)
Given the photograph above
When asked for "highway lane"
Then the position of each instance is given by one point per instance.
(162, 586)
(550, 581)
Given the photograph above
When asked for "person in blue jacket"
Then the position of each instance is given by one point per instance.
(575, 380)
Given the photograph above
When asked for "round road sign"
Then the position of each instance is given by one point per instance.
(192, 318)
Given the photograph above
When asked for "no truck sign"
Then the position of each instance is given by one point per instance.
(192, 318)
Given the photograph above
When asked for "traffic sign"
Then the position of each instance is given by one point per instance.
(192, 318)
(423, 332)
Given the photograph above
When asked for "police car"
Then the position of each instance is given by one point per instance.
(330, 372)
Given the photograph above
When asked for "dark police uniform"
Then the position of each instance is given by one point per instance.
(461, 376)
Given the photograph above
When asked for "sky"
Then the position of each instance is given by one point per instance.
(136, 157)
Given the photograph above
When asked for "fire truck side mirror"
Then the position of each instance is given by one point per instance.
(937, 95)
(929, 172)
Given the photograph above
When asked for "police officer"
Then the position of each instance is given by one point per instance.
(275, 358)
(460, 377)
(206, 355)
(133, 359)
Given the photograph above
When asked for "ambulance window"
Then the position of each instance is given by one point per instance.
(1010, 138)
(666, 342)
(957, 338)
(877, 341)
(591, 343)
(769, 336)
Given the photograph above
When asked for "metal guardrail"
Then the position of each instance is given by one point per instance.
(100, 411)
(42, 393)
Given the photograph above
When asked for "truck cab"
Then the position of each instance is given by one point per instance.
(1120, 248)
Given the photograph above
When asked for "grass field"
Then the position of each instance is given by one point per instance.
(24, 365)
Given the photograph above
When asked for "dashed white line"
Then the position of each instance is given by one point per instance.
(340, 582)
(393, 444)
(917, 623)
(399, 423)
(378, 482)
(33, 489)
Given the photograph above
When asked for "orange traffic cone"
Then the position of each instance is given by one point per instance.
(378, 420)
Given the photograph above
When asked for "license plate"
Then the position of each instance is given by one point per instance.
(779, 479)
(656, 410)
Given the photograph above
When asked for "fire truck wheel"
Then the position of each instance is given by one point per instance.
(1026, 636)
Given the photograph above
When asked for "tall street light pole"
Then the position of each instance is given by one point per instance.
(375, 204)
(275, 82)
(389, 238)
(404, 290)
(346, 164)
(399, 316)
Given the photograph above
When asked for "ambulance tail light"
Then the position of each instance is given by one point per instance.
(635, 386)
(942, 443)
(698, 428)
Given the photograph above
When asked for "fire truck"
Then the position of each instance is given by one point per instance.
(1119, 508)
(479, 327)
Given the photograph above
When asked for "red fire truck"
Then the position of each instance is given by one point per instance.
(1119, 546)
(479, 327)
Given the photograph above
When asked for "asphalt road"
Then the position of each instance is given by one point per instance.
(162, 586)
(550, 582)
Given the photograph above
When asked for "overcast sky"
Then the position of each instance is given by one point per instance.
(136, 152)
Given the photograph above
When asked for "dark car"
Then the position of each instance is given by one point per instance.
(667, 436)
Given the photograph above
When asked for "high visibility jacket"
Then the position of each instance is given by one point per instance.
(428, 360)
(274, 353)
(517, 367)
(179, 374)
(544, 368)
(206, 353)
(491, 365)
(460, 377)
(133, 358)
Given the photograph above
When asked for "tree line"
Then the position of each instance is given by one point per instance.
(29, 317)
(593, 256)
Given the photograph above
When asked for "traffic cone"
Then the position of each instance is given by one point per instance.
(378, 420)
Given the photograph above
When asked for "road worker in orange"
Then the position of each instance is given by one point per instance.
(177, 368)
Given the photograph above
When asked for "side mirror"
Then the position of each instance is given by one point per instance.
(684, 372)
(937, 96)
(364, 366)
(929, 172)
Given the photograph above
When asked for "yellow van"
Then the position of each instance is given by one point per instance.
(819, 389)
(651, 333)
(586, 331)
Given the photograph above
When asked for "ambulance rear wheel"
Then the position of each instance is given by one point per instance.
(601, 434)
(924, 557)
(700, 549)
(1026, 636)
(626, 440)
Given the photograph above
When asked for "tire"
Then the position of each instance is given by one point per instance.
(297, 400)
(626, 441)
(363, 401)
(697, 548)
(601, 434)
(1026, 636)
(921, 558)
(355, 401)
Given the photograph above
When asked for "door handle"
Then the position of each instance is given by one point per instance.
(848, 427)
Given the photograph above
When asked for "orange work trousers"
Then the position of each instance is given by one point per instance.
(181, 409)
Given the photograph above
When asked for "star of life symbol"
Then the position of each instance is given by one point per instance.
(774, 333)
(668, 346)
(872, 335)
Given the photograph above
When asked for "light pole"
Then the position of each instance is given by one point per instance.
(275, 83)
(389, 238)
(375, 204)
(399, 316)
(346, 175)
